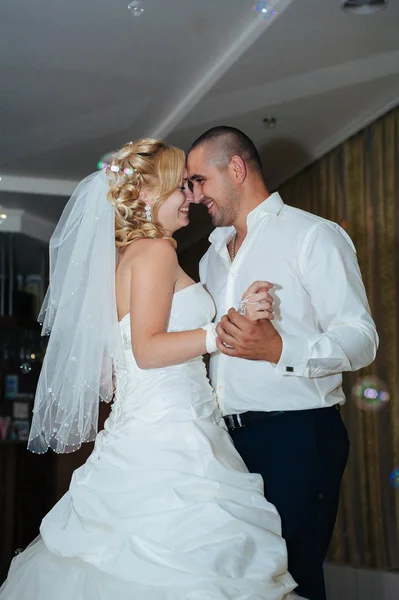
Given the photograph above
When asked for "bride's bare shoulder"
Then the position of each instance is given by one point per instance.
(160, 251)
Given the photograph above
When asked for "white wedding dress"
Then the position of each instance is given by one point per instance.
(164, 508)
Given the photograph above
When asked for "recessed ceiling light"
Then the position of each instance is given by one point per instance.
(3, 215)
(270, 122)
(364, 7)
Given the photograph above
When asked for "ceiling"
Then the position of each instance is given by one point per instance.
(79, 79)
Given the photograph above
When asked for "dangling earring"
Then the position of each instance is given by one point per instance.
(148, 215)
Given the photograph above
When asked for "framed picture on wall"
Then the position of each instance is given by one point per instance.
(19, 430)
(11, 387)
(20, 410)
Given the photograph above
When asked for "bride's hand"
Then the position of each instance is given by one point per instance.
(256, 302)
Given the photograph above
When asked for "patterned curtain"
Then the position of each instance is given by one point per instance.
(357, 185)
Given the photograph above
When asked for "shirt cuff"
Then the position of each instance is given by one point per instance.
(294, 357)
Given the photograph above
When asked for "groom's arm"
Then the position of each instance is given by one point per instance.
(330, 274)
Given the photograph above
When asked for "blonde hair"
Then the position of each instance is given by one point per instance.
(146, 164)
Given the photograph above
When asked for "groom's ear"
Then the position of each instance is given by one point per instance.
(238, 169)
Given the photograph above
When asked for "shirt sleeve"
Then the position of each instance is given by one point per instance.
(330, 274)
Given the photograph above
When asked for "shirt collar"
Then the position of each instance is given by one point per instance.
(269, 207)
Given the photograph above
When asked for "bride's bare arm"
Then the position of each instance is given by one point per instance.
(154, 270)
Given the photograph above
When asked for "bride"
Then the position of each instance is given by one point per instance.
(164, 508)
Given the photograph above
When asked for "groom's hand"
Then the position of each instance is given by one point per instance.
(254, 340)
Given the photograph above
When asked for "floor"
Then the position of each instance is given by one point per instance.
(346, 583)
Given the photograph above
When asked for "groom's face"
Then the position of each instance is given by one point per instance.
(213, 187)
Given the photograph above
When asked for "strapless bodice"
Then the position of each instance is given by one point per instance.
(192, 307)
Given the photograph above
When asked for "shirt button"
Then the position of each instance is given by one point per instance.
(233, 275)
(220, 387)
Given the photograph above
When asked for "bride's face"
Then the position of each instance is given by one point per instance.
(173, 212)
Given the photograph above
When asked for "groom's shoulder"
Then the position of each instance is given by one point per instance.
(302, 218)
(301, 226)
(301, 222)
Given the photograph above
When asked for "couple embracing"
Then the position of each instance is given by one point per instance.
(193, 491)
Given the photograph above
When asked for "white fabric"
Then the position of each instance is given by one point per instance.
(164, 508)
(320, 305)
(79, 312)
(211, 337)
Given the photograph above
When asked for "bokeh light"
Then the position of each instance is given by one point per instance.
(135, 8)
(395, 478)
(370, 394)
(106, 160)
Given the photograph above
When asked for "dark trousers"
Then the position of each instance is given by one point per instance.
(301, 456)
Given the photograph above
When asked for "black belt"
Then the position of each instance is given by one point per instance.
(247, 418)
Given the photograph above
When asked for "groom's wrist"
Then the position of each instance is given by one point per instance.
(273, 349)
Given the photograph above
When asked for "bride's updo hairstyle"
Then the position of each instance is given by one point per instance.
(144, 165)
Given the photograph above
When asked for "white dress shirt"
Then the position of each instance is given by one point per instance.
(320, 306)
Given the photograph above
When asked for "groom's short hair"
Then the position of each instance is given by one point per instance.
(224, 142)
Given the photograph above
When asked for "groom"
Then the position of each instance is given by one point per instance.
(279, 383)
